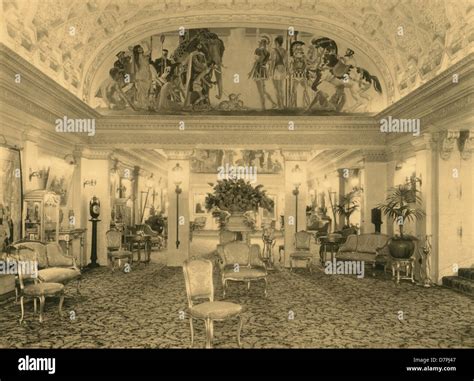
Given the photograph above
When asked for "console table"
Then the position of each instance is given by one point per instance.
(66, 239)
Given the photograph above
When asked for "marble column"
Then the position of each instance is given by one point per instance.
(293, 159)
(375, 184)
(176, 255)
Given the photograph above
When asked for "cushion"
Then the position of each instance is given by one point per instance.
(301, 254)
(45, 289)
(58, 274)
(245, 273)
(355, 256)
(120, 254)
(56, 258)
(215, 310)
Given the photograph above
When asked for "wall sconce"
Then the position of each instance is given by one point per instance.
(90, 182)
(297, 174)
(177, 174)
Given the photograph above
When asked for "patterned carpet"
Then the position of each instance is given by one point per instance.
(142, 310)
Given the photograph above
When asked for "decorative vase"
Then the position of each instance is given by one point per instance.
(401, 248)
(237, 222)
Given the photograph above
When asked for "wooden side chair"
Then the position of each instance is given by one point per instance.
(115, 252)
(302, 249)
(200, 285)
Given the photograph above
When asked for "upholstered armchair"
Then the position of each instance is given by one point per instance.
(225, 237)
(115, 251)
(155, 239)
(200, 285)
(302, 250)
(242, 263)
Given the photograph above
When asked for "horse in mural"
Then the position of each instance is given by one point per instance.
(337, 71)
(189, 53)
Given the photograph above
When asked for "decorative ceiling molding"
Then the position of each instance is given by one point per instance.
(434, 37)
(466, 144)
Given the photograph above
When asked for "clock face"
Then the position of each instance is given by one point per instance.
(96, 209)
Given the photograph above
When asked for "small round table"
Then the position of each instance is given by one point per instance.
(403, 268)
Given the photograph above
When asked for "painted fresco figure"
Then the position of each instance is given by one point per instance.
(143, 75)
(298, 72)
(278, 70)
(259, 72)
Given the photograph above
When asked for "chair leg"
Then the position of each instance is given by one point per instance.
(239, 330)
(265, 290)
(192, 331)
(78, 285)
(16, 295)
(248, 286)
(211, 332)
(41, 298)
(208, 341)
(61, 301)
(22, 309)
(34, 304)
(224, 286)
(291, 264)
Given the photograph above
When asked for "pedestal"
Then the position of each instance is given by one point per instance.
(94, 263)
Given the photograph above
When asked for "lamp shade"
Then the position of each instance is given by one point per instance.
(177, 174)
(297, 175)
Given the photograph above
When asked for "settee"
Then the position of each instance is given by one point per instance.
(53, 265)
(369, 248)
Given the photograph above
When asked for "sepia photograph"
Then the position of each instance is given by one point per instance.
(237, 174)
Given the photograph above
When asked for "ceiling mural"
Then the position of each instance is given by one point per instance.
(239, 70)
(402, 43)
(226, 161)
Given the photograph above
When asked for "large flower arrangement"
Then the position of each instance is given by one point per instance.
(237, 196)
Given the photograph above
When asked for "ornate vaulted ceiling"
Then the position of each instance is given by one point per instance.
(408, 41)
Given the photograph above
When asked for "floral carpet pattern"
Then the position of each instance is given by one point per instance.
(144, 309)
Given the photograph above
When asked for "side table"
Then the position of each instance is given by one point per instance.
(403, 268)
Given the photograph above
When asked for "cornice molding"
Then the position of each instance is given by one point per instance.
(296, 155)
(179, 154)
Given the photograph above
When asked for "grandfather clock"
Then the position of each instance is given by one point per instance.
(94, 210)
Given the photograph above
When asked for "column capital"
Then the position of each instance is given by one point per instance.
(447, 141)
(370, 156)
(466, 144)
(176, 154)
(295, 155)
(96, 153)
(425, 141)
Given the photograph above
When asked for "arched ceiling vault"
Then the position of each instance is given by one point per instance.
(409, 41)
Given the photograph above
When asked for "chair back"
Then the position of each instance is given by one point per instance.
(25, 260)
(237, 252)
(114, 240)
(198, 279)
(302, 240)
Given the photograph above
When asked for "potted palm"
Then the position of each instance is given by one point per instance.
(347, 206)
(403, 204)
(237, 197)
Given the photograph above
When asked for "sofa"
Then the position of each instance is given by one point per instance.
(242, 263)
(53, 265)
(370, 248)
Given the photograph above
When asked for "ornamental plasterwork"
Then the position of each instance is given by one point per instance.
(466, 144)
(436, 36)
(447, 143)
